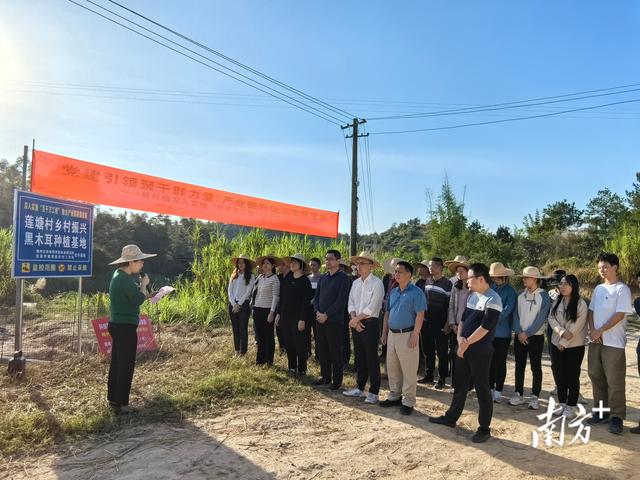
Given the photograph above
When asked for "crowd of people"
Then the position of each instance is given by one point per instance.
(413, 319)
(464, 323)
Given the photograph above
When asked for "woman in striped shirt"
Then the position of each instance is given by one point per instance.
(266, 295)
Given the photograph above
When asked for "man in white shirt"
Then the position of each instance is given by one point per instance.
(365, 302)
(607, 319)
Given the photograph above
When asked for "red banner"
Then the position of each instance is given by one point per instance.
(73, 179)
(146, 339)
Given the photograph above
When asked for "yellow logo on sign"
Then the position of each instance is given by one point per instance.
(26, 267)
(61, 268)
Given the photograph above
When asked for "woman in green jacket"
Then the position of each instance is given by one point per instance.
(126, 295)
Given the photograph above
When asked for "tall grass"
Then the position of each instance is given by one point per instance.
(7, 285)
(202, 297)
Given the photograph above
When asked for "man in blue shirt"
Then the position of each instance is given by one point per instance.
(475, 348)
(401, 333)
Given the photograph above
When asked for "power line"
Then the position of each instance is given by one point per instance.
(237, 63)
(216, 95)
(365, 188)
(346, 151)
(317, 113)
(213, 61)
(503, 106)
(394, 132)
(251, 104)
(366, 144)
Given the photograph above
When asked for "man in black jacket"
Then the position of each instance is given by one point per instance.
(330, 303)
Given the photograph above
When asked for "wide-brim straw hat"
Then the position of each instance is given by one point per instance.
(365, 256)
(423, 263)
(234, 260)
(300, 257)
(389, 265)
(532, 272)
(276, 260)
(131, 253)
(459, 261)
(497, 269)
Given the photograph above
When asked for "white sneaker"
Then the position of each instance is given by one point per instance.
(354, 392)
(534, 404)
(497, 396)
(452, 391)
(371, 398)
(569, 412)
(560, 409)
(516, 400)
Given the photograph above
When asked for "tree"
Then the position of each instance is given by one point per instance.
(503, 234)
(561, 216)
(633, 199)
(604, 212)
(445, 228)
(555, 217)
(10, 179)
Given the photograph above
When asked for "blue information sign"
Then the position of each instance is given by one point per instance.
(52, 237)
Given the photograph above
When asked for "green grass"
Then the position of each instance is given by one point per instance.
(192, 375)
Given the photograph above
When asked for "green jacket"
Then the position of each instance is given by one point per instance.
(126, 298)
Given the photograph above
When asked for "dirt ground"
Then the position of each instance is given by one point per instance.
(335, 437)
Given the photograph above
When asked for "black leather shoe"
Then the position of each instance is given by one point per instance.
(390, 403)
(615, 426)
(442, 420)
(405, 410)
(480, 437)
(598, 420)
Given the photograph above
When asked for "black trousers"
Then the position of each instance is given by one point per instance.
(534, 350)
(346, 345)
(281, 340)
(295, 342)
(240, 327)
(498, 371)
(452, 340)
(435, 341)
(264, 330)
(310, 343)
(330, 338)
(475, 365)
(565, 366)
(365, 346)
(548, 334)
(124, 342)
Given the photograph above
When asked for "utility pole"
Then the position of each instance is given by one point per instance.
(353, 245)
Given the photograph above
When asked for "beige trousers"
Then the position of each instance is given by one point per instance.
(402, 368)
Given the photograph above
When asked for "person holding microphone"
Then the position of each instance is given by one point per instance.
(126, 295)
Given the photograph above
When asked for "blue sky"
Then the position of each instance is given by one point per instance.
(361, 57)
